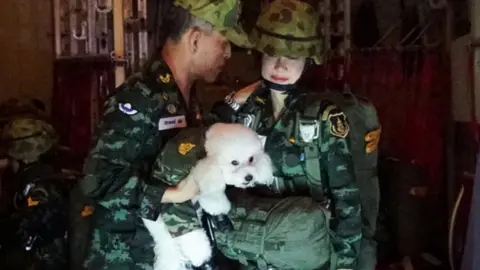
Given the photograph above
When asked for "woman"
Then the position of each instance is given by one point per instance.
(290, 122)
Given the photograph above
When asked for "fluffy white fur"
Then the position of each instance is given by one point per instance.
(234, 157)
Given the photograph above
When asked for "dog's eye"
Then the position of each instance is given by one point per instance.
(235, 163)
(250, 159)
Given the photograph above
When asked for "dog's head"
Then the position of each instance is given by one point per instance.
(238, 151)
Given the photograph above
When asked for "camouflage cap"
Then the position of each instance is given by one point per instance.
(288, 28)
(222, 14)
(26, 138)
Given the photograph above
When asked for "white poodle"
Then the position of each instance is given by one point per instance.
(234, 157)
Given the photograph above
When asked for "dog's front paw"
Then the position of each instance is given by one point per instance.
(215, 205)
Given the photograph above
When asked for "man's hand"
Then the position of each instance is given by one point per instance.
(189, 187)
(186, 190)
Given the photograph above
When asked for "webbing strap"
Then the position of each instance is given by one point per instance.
(314, 174)
(311, 149)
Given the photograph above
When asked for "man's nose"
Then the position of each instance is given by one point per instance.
(279, 64)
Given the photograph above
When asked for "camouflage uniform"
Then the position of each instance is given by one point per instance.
(42, 211)
(145, 112)
(336, 190)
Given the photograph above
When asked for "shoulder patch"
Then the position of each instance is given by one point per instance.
(372, 139)
(326, 112)
(338, 124)
(127, 109)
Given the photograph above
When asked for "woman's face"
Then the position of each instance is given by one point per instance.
(282, 70)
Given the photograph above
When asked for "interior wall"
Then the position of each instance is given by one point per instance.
(26, 49)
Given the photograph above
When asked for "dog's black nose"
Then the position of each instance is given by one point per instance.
(249, 177)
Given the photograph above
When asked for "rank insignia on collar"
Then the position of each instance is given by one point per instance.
(171, 108)
(260, 100)
(338, 125)
(165, 78)
(184, 148)
(165, 96)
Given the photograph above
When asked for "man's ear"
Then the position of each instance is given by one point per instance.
(193, 36)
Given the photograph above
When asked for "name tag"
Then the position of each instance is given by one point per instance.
(172, 122)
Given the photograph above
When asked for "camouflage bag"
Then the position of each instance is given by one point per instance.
(364, 138)
(277, 233)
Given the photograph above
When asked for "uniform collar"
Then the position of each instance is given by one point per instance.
(262, 95)
(159, 75)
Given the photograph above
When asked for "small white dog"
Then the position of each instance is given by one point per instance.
(234, 156)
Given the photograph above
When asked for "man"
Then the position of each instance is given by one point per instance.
(145, 112)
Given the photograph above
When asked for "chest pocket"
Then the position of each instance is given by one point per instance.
(287, 157)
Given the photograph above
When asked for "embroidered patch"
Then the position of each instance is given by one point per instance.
(127, 109)
(165, 78)
(172, 122)
(327, 111)
(184, 148)
(372, 139)
(308, 131)
(171, 108)
(31, 202)
(87, 210)
(338, 125)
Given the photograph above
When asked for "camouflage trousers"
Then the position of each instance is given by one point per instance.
(278, 233)
(120, 250)
(370, 201)
(115, 246)
(367, 258)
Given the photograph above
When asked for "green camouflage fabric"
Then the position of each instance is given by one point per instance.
(338, 187)
(26, 138)
(222, 14)
(180, 154)
(145, 112)
(277, 233)
(288, 28)
(364, 139)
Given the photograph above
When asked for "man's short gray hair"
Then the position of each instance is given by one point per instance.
(181, 21)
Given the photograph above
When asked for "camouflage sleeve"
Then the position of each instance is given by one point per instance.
(221, 112)
(345, 198)
(111, 176)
